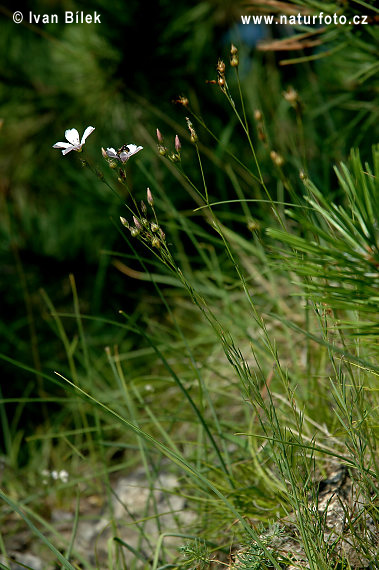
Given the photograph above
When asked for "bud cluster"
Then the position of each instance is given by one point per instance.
(221, 74)
(146, 230)
(234, 60)
(163, 150)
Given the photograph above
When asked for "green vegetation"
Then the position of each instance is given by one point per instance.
(200, 320)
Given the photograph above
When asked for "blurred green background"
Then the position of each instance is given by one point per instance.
(122, 76)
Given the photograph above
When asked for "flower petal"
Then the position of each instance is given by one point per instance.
(68, 149)
(111, 153)
(61, 145)
(72, 136)
(86, 133)
(133, 149)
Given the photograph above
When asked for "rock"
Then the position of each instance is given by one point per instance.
(18, 561)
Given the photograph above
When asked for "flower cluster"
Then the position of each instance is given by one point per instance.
(75, 143)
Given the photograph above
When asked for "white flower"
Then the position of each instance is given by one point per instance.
(74, 143)
(56, 475)
(123, 153)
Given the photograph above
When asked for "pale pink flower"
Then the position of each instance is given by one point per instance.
(123, 153)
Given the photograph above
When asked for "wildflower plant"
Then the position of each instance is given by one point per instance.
(291, 447)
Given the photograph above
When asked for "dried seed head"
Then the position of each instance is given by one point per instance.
(137, 223)
(257, 115)
(221, 81)
(221, 67)
(233, 50)
(154, 227)
(291, 96)
(194, 137)
(182, 101)
(234, 61)
(159, 136)
(276, 158)
(162, 234)
(155, 242)
(124, 222)
(150, 199)
(178, 145)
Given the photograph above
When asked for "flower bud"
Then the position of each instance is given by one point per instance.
(103, 152)
(154, 227)
(134, 232)
(162, 234)
(178, 145)
(145, 223)
(155, 242)
(143, 207)
(159, 136)
(233, 50)
(136, 223)
(257, 115)
(124, 222)
(150, 199)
